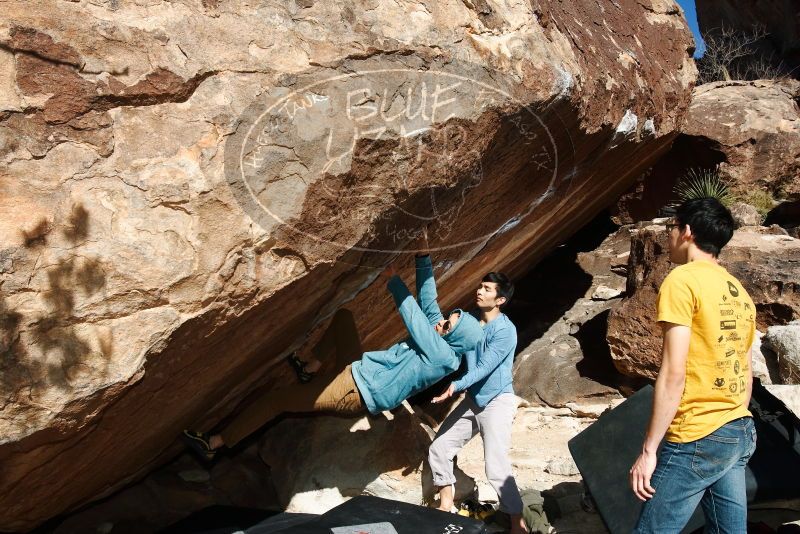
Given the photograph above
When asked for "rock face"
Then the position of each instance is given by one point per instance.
(751, 130)
(745, 215)
(767, 266)
(563, 357)
(789, 395)
(190, 188)
(318, 463)
(784, 343)
(760, 368)
(756, 126)
(779, 18)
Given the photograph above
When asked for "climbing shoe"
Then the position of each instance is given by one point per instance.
(199, 443)
(476, 510)
(299, 367)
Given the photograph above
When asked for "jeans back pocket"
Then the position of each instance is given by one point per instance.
(715, 454)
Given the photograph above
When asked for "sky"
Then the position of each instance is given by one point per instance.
(691, 17)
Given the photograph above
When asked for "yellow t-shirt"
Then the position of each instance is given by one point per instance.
(705, 297)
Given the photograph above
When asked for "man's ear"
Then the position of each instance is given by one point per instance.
(500, 301)
(687, 235)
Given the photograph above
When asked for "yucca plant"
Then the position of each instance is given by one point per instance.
(701, 183)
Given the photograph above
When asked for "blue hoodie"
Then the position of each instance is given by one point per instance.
(385, 378)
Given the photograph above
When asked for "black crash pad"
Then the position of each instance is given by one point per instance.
(604, 454)
(373, 515)
(605, 451)
(774, 470)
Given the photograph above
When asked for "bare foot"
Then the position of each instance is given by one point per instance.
(446, 497)
(216, 441)
(312, 365)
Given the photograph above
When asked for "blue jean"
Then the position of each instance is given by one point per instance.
(710, 471)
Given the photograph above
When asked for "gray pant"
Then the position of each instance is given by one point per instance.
(494, 424)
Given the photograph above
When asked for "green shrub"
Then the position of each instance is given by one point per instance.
(701, 183)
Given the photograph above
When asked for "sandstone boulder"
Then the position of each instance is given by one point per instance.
(766, 265)
(745, 215)
(789, 395)
(756, 127)
(750, 131)
(553, 375)
(784, 343)
(318, 463)
(563, 306)
(191, 188)
(761, 370)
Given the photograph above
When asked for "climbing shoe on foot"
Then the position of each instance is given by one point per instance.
(299, 367)
(199, 443)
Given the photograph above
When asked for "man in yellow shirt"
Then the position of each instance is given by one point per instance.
(704, 384)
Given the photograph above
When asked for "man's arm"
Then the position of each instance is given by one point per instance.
(434, 348)
(495, 350)
(471, 358)
(749, 377)
(668, 391)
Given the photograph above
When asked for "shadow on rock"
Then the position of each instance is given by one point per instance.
(65, 350)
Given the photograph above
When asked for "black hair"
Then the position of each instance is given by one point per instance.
(505, 287)
(711, 223)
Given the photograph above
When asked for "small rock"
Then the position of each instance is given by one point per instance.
(195, 475)
(776, 229)
(574, 328)
(606, 293)
(771, 230)
(561, 466)
(485, 492)
(588, 410)
(318, 501)
(745, 215)
(784, 341)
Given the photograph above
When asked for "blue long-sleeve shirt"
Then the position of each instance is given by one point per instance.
(489, 365)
